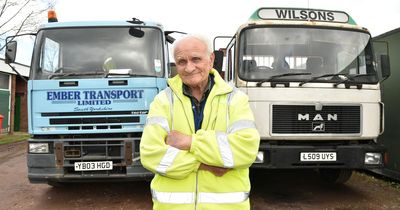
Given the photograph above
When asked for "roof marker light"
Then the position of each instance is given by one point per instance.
(51, 16)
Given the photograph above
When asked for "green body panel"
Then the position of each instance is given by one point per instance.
(391, 99)
(4, 109)
(17, 113)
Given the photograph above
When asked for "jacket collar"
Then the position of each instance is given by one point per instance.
(220, 86)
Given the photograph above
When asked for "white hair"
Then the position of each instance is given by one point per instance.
(199, 37)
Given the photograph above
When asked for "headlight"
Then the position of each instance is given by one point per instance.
(260, 157)
(48, 128)
(38, 148)
(372, 158)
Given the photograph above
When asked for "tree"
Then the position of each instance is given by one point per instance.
(21, 16)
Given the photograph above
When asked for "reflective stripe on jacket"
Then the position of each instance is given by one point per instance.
(227, 138)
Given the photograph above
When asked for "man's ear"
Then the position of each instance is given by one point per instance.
(212, 58)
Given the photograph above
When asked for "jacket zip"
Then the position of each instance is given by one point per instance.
(184, 110)
(197, 190)
(193, 130)
(212, 120)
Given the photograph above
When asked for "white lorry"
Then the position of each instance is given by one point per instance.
(313, 83)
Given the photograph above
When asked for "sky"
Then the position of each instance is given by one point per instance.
(219, 17)
(222, 17)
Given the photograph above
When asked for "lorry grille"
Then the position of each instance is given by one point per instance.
(93, 120)
(305, 119)
(96, 120)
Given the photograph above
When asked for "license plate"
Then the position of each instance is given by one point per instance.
(317, 156)
(93, 166)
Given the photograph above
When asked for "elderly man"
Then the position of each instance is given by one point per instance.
(200, 138)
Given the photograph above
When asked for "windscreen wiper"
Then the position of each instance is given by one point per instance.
(322, 76)
(61, 75)
(272, 78)
(126, 75)
(350, 78)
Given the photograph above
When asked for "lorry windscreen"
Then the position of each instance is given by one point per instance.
(296, 51)
(95, 52)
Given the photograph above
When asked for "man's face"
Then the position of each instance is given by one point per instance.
(192, 62)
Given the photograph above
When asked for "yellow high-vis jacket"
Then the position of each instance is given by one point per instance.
(227, 138)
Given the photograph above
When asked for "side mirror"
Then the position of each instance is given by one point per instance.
(218, 60)
(170, 39)
(11, 52)
(385, 66)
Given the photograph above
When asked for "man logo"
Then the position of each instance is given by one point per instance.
(317, 117)
(318, 126)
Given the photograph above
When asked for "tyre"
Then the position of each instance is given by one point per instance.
(56, 184)
(335, 176)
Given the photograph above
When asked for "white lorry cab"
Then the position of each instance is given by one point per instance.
(313, 83)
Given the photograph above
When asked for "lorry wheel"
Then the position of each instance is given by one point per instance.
(56, 184)
(335, 176)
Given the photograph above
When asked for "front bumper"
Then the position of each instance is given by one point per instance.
(45, 175)
(287, 156)
(58, 164)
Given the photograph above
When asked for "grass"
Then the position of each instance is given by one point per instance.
(11, 138)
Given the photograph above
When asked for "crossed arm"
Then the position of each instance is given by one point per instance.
(184, 142)
(176, 154)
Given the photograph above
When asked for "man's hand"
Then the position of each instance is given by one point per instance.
(217, 171)
(179, 140)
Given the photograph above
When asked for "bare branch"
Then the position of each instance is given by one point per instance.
(18, 30)
(21, 16)
(15, 14)
(23, 23)
(5, 32)
(3, 8)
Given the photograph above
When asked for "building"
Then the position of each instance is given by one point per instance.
(390, 88)
(13, 97)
